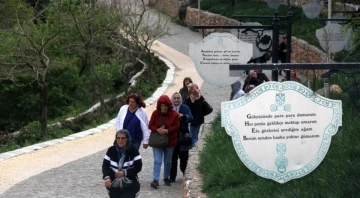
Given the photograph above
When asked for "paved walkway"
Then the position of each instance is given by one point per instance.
(71, 167)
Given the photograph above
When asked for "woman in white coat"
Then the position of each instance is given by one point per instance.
(132, 117)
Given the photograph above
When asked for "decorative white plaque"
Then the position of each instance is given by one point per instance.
(274, 4)
(349, 46)
(213, 55)
(261, 39)
(281, 131)
(312, 9)
(332, 38)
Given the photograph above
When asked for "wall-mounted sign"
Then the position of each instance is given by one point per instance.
(213, 55)
(332, 38)
(281, 131)
(260, 38)
(312, 9)
(274, 4)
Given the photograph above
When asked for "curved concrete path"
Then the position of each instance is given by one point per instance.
(71, 167)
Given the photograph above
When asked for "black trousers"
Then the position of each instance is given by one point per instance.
(183, 156)
(129, 192)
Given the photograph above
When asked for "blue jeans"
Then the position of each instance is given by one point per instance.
(194, 130)
(158, 157)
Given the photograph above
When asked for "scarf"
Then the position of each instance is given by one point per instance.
(120, 182)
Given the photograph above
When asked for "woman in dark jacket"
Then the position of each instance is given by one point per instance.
(184, 90)
(164, 120)
(121, 165)
(180, 152)
(195, 102)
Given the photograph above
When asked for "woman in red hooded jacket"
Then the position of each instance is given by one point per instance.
(164, 120)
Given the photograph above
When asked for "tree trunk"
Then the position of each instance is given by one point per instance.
(99, 85)
(44, 106)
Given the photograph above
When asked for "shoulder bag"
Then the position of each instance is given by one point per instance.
(157, 140)
(185, 139)
(207, 109)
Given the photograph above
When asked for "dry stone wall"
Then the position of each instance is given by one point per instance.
(170, 7)
(302, 52)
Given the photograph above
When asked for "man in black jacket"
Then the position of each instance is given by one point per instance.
(282, 52)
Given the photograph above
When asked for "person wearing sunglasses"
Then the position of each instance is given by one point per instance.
(121, 165)
(132, 116)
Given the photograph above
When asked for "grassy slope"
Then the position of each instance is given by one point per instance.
(337, 176)
(145, 86)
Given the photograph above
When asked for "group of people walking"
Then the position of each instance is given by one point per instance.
(254, 79)
(181, 113)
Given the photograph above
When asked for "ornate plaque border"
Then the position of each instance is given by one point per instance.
(330, 130)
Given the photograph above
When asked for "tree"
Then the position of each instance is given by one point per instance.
(140, 28)
(124, 28)
(91, 37)
(25, 51)
(97, 33)
(39, 6)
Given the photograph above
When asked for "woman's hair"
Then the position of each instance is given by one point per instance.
(137, 99)
(128, 137)
(185, 79)
(253, 72)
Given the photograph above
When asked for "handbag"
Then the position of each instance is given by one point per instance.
(157, 140)
(185, 139)
(207, 109)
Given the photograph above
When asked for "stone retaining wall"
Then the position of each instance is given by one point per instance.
(302, 52)
(170, 7)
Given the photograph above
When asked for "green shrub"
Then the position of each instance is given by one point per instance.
(30, 133)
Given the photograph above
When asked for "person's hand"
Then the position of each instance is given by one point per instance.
(108, 183)
(120, 174)
(163, 131)
(145, 146)
(196, 92)
(180, 115)
(159, 130)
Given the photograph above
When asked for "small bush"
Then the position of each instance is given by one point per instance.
(30, 133)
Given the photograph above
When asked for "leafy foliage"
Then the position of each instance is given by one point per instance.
(58, 58)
